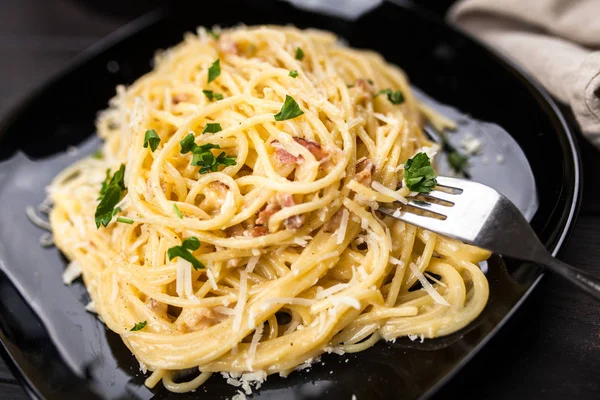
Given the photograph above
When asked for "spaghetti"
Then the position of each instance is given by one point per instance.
(255, 256)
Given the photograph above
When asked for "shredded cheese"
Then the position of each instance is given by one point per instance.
(72, 272)
(388, 192)
(427, 286)
(211, 279)
(253, 344)
(341, 232)
(252, 261)
(241, 302)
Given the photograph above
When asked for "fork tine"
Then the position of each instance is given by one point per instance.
(452, 183)
(417, 220)
(431, 207)
(440, 195)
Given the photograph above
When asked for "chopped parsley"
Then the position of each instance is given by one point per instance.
(139, 326)
(293, 73)
(151, 139)
(418, 174)
(395, 97)
(111, 194)
(299, 54)
(177, 211)
(97, 154)
(212, 128)
(214, 34)
(214, 71)
(212, 95)
(125, 220)
(203, 156)
(187, 143)
(289, 110)
(185, 251)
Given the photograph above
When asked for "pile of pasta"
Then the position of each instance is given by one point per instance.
(229, 222)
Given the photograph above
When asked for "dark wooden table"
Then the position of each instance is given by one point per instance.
(551, 348)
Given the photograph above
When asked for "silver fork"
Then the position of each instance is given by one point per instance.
(477, 214)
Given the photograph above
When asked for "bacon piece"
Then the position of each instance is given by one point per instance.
(314, 147)
(281, 201)
(195, 319)
(235, 230)
(283, 157)
(364, 171)
(334, 222)
(266, 213)
(259, 231)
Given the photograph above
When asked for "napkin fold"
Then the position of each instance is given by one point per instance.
(557, 41)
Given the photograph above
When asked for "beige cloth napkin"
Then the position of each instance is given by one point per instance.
(558, 41)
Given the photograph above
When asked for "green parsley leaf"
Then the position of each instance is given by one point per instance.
(214, 34)
(184, 252)
(187, 143)
(396, 97)
(289, 110)
(212, 128)
(214, 71)
(177, 211)
(457, 161)
(111, 193)
(299, 54)
(202, 155)
(151, 139)
(418, 174)
(293, 73)
(212, 95)
(97, 154)
(139, 326)
(224, 159)
(125, 220)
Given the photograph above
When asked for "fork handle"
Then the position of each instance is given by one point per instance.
(583, 280)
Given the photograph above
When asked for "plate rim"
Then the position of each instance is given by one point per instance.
(17, 108)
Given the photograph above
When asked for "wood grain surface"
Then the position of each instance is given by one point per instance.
(549, 350)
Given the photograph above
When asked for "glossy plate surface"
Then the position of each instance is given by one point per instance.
(61, 351)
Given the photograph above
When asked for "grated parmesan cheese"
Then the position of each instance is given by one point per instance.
(435, 280)
(241, 302)
(427, 286)
(332, 290)
(388, 192)
(239, 396)
(91, 307)
(72, 272)
(341, 232)
(211, 279)
(252, 261)
(253, 344)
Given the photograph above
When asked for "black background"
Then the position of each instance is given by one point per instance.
(549, 350)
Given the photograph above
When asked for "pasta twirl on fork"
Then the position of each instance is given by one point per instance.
(229, 223)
